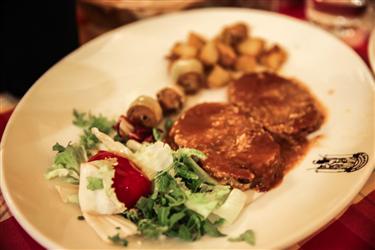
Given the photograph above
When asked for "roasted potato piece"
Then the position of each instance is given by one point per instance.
(196, 40)
(273, 58)
(218, 77)
(182, 66)
(246, 64)
(209, 54)
(234, 34)
(188, 73)
(145, 111)
(251, 46)
(171, 99)
(191, 82)
(227, 56)
(184, 51)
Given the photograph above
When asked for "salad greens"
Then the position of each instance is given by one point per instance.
(68, 159)
(66, 165)
(86, 121)
(180, 203)
(152, 158)
(185, 202)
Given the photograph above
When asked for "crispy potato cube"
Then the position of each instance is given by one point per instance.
(182, 66)
(191, 82)
(273, 58)
(209, 54)
(233, 34)
(246, 64)
(218, 77)
(227, 56)
(196, 40)
(251, 46)
(184, 51)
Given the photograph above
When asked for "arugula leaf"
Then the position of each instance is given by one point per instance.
(86, 121)
(195, 223)
(211, 229)
(117, 240)
(58, 147)
(190, 178)
(166, 186)
(162, 214)
(184, 172)
(94, 183)
(176, 218)
(184, 233)
(80, 119)
(150, 229)
(146, 205)
(88, 139)
(248, 236)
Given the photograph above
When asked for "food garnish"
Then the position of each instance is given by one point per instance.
(129, 188)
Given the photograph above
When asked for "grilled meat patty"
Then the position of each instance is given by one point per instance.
(282, 106)
(239, 151)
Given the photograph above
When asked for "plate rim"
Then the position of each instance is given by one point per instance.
(42, 239)
(371, 50)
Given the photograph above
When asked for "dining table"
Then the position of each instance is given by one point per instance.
(354, 228)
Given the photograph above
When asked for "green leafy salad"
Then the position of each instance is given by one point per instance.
(126, 188)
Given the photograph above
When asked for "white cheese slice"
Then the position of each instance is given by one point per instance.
(102, 200)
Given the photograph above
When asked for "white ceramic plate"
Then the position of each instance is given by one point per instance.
(106, 74)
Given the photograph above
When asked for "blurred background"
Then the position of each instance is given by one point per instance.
(37, 34)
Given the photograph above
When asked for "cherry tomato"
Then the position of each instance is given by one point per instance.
(129, 182)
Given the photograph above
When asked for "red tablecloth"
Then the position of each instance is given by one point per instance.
(355, 229)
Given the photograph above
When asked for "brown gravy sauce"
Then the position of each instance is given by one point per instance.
(293, 147)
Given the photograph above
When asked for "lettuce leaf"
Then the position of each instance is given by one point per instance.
(66, 164)
(153, 158)
(232, 206)
(205, 203)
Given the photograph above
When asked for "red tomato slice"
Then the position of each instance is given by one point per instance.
(129, 182)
